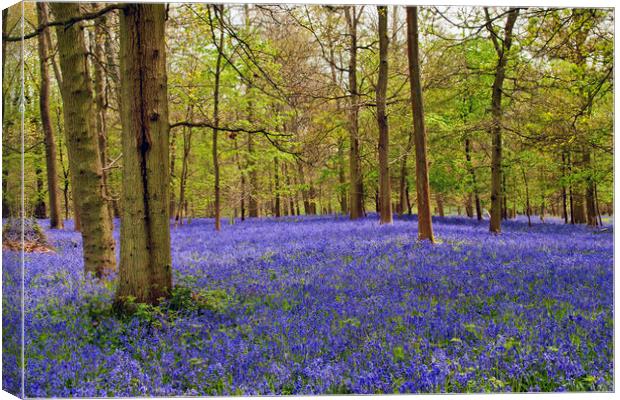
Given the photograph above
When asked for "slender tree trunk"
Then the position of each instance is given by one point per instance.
(342, 193)
(355, 169)
(385, 193)
(146, 266)
(472, 172)
(40, 210)
(440, 209)
(276, 177)
(502, 48)
(528, 210)
(564, 209)
(84, 157)
(56, 221)
(216, 121)
(187, 145)
(589, 197)
(504, 198)
(425, 223)
(97, 43)
(242, 180)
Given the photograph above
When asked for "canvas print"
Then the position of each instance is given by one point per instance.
(271, 199)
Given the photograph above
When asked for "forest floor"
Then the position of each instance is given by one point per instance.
(325, 305)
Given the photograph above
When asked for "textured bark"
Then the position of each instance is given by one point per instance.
(355, 168)
(56, 221)
(84, 158)
(145, 270)
(97, 49)
(425, 223)
(502, 50)
(440, 208)
(385, 192)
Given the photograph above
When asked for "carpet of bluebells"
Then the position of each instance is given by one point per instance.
(319, 305)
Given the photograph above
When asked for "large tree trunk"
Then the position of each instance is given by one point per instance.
(502, 47)
(146, 266)
(84, 157)
(425, 223)
(355, 168)
(56, 221)
(385, 193)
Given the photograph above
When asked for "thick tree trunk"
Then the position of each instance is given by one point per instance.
(425, 223)
(146, 266)
(502, 48)
(355, 168)
(385, 192)
(56, 221)
(84, 157)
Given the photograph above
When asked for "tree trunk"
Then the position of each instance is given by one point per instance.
(146, 266)
(342, 193)
(440, 209)
(385, 193)
(355, 169)
(40, 210)
(472, 172)
(56, 221)
(97, 44)
(564, 209)
(590, 202)
(84, 157)
(276, 177)
(425, 223)
(253, 181)
(187, 145)
(528, 210)
(502, 48)
(216, 122)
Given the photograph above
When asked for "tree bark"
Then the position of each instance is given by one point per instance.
(56, 221)
(84, 158)
(528, 210)
(385, 193)
(97, 44)
(425, 223)
(355, 169)
(502, 49)
(146, 266)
